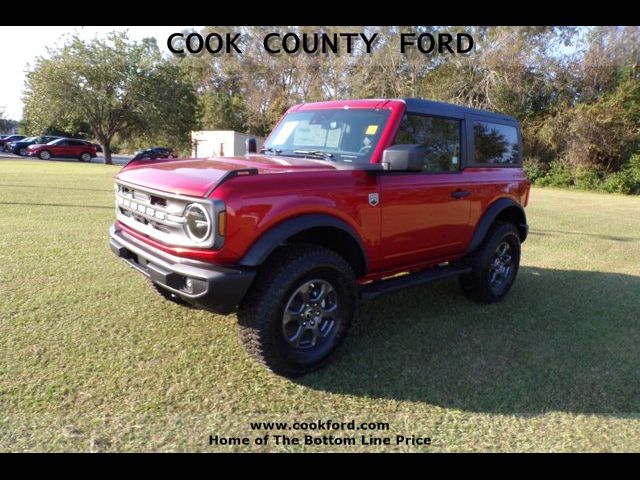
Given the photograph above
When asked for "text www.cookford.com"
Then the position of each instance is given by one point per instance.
(319, 425)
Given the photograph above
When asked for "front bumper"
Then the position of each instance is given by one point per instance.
(212, 287)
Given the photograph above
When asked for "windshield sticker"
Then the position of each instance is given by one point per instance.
(371, 130)
(285, 131)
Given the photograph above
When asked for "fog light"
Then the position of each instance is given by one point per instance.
(188, 285)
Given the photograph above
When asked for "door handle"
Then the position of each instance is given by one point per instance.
(460, 193)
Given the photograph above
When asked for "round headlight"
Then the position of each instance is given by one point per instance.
(198, 223)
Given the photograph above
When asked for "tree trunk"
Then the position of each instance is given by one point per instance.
(106, 152)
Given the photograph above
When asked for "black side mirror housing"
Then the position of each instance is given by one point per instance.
(404, 158)
(250, 145)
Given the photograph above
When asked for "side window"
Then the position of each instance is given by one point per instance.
(440, 137)
(75, 143)
(495, 143)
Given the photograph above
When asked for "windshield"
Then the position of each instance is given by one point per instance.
(347, 135)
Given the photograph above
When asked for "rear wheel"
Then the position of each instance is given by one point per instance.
(298, 310)
(494, 266)
(22, 152)
(45, 154)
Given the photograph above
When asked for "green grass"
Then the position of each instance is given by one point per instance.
(92, 360)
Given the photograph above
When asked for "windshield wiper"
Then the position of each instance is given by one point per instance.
(271, 149)
(314, 153)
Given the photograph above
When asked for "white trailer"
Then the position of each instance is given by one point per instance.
(220, 143)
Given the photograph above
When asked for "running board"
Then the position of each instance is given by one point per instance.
(382, 287)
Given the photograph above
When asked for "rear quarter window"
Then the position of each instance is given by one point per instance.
(495, 144)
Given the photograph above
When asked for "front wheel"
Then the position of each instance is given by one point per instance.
(45, 155)
(494, 266)
(85, 157)
(298, 310)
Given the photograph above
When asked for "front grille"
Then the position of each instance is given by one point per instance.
(160, 215)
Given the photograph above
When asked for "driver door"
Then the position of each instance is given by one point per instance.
(425, 215)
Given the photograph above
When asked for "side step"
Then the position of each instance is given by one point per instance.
(382, 287)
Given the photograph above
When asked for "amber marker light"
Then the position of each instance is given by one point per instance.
(222, 223)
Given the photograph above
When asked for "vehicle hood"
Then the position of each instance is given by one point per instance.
(197, 177)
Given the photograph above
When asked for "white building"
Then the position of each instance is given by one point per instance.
(220, 143)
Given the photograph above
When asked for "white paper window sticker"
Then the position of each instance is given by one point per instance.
(285, 132)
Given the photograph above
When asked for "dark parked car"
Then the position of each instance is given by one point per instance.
(4, 142)
(64, 147)
(155, 152)
(20, 147)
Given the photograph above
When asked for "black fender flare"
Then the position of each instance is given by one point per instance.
(278, 234)
(494, 210)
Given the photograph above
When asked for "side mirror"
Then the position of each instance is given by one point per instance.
(404, 158)
(250, 145)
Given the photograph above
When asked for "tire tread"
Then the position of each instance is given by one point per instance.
(272, 282)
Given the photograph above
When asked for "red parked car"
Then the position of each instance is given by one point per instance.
(347, 200)
(64, 148)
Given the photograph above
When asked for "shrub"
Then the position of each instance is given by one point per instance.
(587, 178)
(621, 182)
(627, 180)
(534, 169)
(559, 175)
(634, 164)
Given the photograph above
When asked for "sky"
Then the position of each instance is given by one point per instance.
(20, 46)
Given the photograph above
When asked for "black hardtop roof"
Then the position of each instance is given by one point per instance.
(421, 105)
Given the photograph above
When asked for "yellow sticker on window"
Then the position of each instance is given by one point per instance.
(371, 130)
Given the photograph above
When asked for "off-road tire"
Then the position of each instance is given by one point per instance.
(476, 285)
(261, 314)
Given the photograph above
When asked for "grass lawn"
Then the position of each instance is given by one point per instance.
(92, 360)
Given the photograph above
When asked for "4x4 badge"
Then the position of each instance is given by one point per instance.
(374, 199)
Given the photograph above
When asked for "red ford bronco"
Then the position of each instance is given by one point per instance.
(346, 201)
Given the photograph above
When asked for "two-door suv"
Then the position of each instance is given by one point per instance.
(347, 200)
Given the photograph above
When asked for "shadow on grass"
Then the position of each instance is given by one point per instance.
(583, 234)
(563, 340)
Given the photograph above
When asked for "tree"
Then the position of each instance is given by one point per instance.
(7, 125)
(115, 86)
(4, 124)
